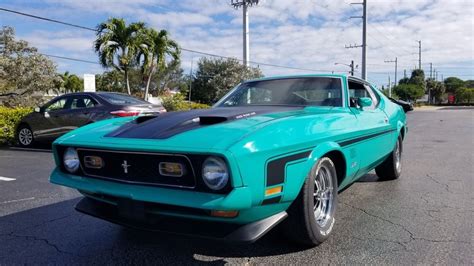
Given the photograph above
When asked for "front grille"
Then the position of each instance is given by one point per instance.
(138, 168)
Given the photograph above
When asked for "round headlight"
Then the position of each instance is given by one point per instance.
(71, 160)
(215, 173)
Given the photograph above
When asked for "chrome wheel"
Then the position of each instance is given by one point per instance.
(398, 157)
(25, 136)
(323, 195)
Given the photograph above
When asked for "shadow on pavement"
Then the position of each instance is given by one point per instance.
(56, 233)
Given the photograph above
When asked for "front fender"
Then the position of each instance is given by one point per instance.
(295, 174)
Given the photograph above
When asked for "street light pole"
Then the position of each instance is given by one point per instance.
(364, 41)
(351, 66)
(245, 27)
(246, 36)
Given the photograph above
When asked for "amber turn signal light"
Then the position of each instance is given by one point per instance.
(273, 190)
(224, 214)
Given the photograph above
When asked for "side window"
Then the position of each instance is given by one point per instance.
(373, 95)
(359, 90)
(82, 102)
(56, 105)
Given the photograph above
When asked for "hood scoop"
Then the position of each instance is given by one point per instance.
(211, 120)
(142, 119)
(170, 124)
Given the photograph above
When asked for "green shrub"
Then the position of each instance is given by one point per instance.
(177, 103)
(9, 119)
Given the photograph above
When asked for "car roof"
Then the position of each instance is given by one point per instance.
(299, 76)
(322, 75)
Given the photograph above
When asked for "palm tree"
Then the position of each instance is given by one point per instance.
(157, 45)
(118, 44)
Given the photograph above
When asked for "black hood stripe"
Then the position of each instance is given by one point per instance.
(170, 124)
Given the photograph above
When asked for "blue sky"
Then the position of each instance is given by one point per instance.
(308, 34)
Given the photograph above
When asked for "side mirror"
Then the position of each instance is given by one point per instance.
(37, 110)
(364, 102)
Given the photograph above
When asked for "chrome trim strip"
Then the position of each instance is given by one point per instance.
(134, 182)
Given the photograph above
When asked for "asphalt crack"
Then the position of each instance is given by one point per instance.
(410, 234)
(446, 186)
(43, 240)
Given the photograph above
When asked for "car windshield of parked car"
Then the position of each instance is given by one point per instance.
(117, 98)
(311, 91)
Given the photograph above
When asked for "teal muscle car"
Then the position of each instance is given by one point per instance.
(273, 150)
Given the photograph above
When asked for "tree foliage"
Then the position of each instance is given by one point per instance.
(157, 46)
(453, 84)
(465, 95)
(118, 45)
(23, 71)
(216, 77)
(436, 89)
(469, 83)
(411, 88)
(409, 92)
(68, 83)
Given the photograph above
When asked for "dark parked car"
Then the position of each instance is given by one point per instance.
(407, 106)
(70, 111)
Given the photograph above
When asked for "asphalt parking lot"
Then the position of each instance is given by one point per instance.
(425, 217)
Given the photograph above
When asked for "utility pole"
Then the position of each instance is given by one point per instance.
(364, 37)
(436, 74)
(404, 74)
(396, 67)
(419, 54)
(431, 70)
(190, 79)
(245, 29)
(389, 87)
(351, 66)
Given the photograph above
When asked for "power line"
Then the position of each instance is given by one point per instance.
(47, 19)
(70, 59)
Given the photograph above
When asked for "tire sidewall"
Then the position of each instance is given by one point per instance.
(398, 172)
(21, 127)
(316, 231)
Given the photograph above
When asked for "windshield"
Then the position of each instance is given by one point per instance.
(117, 98)
(314, 91)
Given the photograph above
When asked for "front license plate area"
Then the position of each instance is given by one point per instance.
(131, 209)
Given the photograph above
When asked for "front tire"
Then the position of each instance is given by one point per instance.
(391, 168)
(25, 136)
(311, 216)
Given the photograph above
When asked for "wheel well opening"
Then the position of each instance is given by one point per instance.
(20, 125)
(402, 132)
(340, 163)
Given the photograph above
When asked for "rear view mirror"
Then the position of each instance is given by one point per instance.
(364, 102)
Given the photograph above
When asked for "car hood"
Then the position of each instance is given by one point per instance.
(195, 130)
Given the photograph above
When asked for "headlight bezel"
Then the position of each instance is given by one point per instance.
(73, 157)
(218, 163)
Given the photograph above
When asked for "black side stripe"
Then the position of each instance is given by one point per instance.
(358, 139)
(271, 200)
(276, 168)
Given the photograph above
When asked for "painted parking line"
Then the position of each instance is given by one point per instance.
(7, 179)
(17, 200)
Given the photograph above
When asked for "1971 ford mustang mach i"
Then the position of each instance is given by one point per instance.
(272, 150)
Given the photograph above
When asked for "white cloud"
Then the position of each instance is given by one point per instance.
(301, 33)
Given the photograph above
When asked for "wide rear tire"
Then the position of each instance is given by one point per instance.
(391, 168)
(311, 216)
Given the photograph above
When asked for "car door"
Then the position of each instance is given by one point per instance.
(81, 111)
(51, 124)
(374, 130)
